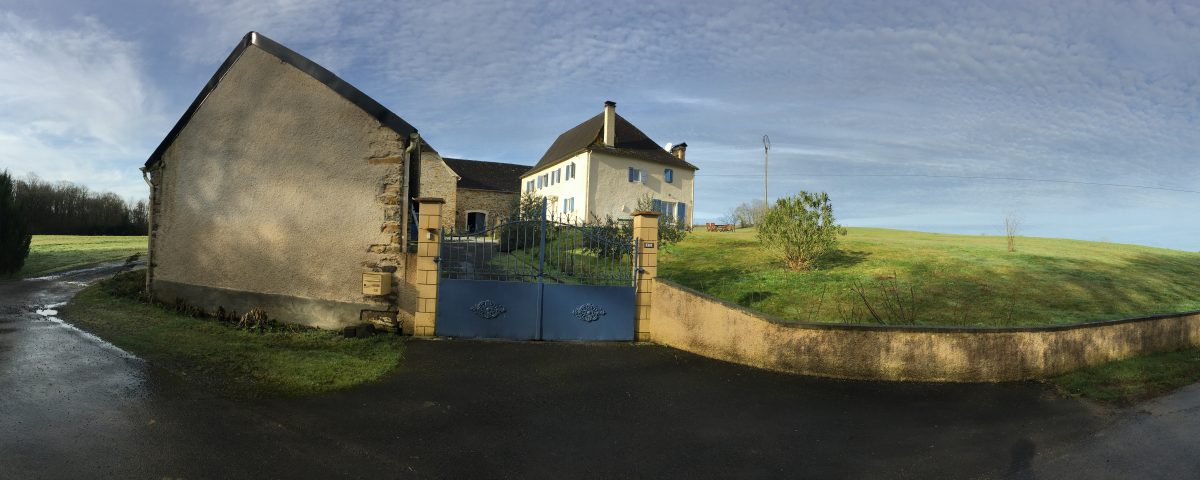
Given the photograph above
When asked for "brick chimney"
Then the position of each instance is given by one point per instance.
(679, 151)
(610, 123)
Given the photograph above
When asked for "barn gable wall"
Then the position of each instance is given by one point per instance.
(268, 196)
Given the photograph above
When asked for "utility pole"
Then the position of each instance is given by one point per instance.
(766, 161)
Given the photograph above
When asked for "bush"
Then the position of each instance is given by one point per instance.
(14, 229)
(131, 284)
(670, 230)
(521, 229)
(801, 229)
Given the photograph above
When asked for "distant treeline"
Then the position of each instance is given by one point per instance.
(64, 208)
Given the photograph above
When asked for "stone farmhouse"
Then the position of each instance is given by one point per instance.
(282, 183)
(284, 188)
(603, 166)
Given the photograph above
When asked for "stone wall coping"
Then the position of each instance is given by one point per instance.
(644, 213)
(430, 200)
(922, 328)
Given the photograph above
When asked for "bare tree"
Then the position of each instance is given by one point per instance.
(1012, 227)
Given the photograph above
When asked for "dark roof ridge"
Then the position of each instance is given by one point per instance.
(485, 175)
(300, 62)
(631, 142)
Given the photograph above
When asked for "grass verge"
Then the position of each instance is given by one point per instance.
(941, 279)
(1129, 381)
(215, 354)
(55, 253)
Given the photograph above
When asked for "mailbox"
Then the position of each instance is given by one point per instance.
(377, 283)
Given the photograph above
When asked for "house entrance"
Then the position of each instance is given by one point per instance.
(537, 278)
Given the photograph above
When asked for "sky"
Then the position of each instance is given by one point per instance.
(1078, 117)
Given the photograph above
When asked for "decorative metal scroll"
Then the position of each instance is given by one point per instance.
(488, 309)
(588, 312)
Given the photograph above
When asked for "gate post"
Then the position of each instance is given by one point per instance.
(429, 242)
(645, 233)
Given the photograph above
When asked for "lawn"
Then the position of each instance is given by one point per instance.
(53, 253)
(218, 355)
(956, 280)
(1126, 382)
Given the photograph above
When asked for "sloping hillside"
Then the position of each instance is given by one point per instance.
(940, 279)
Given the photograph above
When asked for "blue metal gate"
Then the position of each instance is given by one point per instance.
(538, 277)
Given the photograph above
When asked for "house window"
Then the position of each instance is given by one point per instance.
(668, 175)
(667, 209)
(636, 175)
(568, 205)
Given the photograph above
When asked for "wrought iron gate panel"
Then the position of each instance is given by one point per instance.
(488, 309)
(538, 277)
(587, 312)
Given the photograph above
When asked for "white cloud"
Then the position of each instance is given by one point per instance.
(73, 104)
(1076, 90)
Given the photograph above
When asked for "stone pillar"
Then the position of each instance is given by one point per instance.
(645, 232)
(429, 241)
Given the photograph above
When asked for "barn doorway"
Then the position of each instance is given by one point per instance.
(476, 222)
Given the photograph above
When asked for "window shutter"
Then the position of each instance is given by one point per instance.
(642, 176)
(632, 174)
(656, 205)
(682, 207)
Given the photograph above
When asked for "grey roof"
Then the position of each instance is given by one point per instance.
(631, 142)
(480, 175)
(309, 67)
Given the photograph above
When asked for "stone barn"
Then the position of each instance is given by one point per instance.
(281, 185)
(480, 193)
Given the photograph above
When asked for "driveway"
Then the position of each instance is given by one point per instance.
(74, 406)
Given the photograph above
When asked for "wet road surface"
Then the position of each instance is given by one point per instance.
(73, 406)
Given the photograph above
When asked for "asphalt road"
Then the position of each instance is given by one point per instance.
(73, 406)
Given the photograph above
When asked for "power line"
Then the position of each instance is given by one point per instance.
(960, 177)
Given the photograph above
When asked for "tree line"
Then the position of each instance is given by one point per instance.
(64, 208)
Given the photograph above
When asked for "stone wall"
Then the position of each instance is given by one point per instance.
(497, 205)
(439, 181)
(692, 321)
(278, 190)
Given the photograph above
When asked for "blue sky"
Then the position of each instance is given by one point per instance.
(850, 92)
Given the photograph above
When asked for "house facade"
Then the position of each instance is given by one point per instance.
(602, 167)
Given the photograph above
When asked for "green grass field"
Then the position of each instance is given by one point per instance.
(1129, 381)
(957, 280)
(53, 253)
(217, 355)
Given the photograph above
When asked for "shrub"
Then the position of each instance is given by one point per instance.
(670, 230)
(14, 228)
(801, 229)
(131, 284)
(521, 229)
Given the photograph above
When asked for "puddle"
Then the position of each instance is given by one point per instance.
(49, 310)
